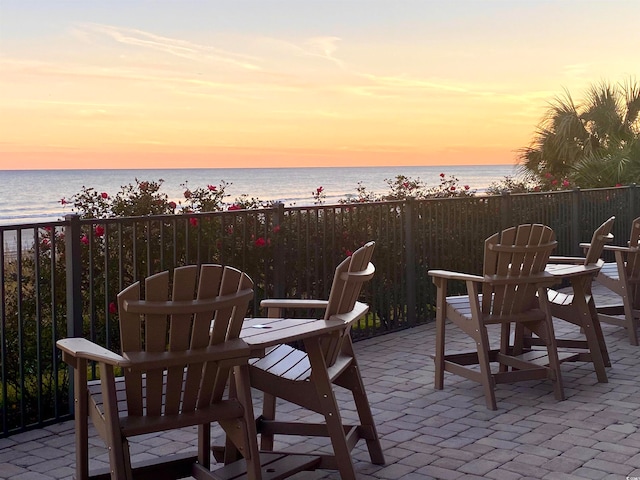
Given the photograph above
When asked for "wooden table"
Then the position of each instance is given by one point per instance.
(262, 333)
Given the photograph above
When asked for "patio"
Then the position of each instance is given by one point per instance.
(448, 434)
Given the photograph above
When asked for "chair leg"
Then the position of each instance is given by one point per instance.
(250, 453)
(351, 380)
(505, 334)
(268, 413)
(204, 445)
(631, 317)
(584, 311)
(81, 419)
(599, 335)
(440, 338)
(118, 446)
(554, 361)
(329, 406)
(544, 330)
(488, 384)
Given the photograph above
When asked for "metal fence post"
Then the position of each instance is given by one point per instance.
(410, 261)
(576, 198)
(73, 275)
(506, 209)
(632, 201)
(278, 254)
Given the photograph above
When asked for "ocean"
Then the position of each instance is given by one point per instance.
(31, 196)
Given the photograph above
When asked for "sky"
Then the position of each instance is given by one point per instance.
(281, 83)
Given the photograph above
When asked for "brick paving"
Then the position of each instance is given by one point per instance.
(428, 434)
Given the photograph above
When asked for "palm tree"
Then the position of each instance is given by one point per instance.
(594, 144)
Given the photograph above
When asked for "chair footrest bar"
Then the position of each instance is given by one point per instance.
(274, 466)
(171, 467)
(534, 357)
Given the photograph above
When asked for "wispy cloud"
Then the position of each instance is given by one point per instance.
(323, 47)
(173, 46)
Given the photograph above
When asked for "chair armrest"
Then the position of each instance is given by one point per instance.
(358, 311)
(294, 303)
(618, 248)
(231, 349)
(566, 259)
(360, 276)
(543, 278)
(83, 348)
(466, 277)
(560, 271)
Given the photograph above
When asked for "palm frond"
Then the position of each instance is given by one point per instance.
(631, 91)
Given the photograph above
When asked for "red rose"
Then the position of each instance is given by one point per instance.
(260, 242)
(99, 230)
(104, 195)
(193, 221)
(113, 309)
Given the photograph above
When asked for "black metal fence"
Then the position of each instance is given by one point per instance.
(61, 278)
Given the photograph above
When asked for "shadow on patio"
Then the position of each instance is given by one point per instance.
(448, 434)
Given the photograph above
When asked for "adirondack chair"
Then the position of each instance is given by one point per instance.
(623, 278)
(579, 307)
(507, 293)
(306, 378)
(176, 366)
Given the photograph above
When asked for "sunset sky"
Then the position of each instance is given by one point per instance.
(272, 83)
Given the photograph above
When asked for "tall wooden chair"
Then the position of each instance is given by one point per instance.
(507, 293)
(306, 377)
(176, 366)
(579, 307)
(623, 278)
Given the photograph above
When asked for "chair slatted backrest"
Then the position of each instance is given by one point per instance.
(348, 279)
(178, 322)
(632, 267)
(509, 256)
(601, 236)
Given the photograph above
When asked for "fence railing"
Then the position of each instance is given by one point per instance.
(61, 278)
